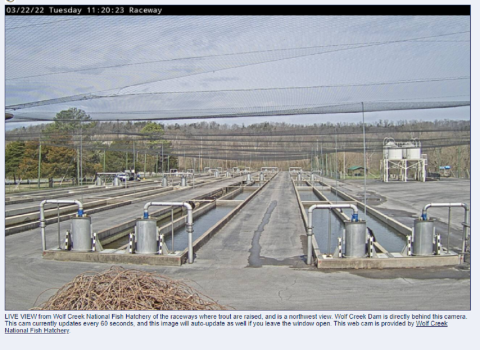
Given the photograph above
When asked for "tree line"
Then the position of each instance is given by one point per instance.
(72, 148)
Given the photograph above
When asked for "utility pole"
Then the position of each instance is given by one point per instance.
(326, 163)
(81, 154)
(336, 164)
(78, 165)
(39, 159)
(145, 165)
(321, 156)
(458, 162)
(364, 164)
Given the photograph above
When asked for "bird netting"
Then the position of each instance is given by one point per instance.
(203, 67)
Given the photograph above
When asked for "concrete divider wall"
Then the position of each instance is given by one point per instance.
(401, 228)
(108, 203)
(232, 194)
(180, 222)
(110, 232)
(50, 212)
(53, 220)
(315, 249)
(106, 234)
(203, 239)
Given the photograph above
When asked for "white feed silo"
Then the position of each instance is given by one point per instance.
(415, 151)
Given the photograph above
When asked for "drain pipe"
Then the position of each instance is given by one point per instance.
(310, 222)
(189, 223)
(55, 201)
(450, 205)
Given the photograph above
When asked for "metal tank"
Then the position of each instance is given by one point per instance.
(184, 181)
(262, 177)
(81, 234)
(423, 237)
(116, 182)
(388, 143)
(395, 153)
(164, 182)
(355, 239)
(249, 178)
(216, 173)
(146, 236)
(414, 152)
(98, 181)
(405, 148)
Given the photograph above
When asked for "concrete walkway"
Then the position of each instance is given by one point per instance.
(267, 231)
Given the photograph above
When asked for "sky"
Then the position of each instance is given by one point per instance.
(173, 67)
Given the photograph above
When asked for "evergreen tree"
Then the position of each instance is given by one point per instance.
(14, 152)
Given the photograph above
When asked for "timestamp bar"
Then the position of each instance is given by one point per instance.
(236, 10)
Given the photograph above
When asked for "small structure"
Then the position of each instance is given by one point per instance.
(356, 171)
(294, 170)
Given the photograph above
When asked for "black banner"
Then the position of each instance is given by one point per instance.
(236, 10)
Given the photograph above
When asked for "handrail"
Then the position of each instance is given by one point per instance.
(55, 201)
(450, 205)
(189, 223)
(310, 222)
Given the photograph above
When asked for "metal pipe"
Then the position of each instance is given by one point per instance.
(450, 205)
(173, 231)
(442, 205)
(55, 201)
(189, 223)
(364, 162)
(310, 222)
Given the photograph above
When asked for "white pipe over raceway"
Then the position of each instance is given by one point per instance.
(442, 205)
(189, 223)
(450, 205)
(310, 222)
(55, 201)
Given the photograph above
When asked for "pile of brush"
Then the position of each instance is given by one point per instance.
(122, 289)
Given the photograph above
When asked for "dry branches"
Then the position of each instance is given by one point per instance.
(121, 289)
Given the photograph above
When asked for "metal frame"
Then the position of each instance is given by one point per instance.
(189, 223)
(310, 222)
(42, 214)
(451, 205)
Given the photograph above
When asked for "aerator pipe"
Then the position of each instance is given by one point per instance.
(450, 205)
(189, 223)
(310, 222)
(55, 201)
